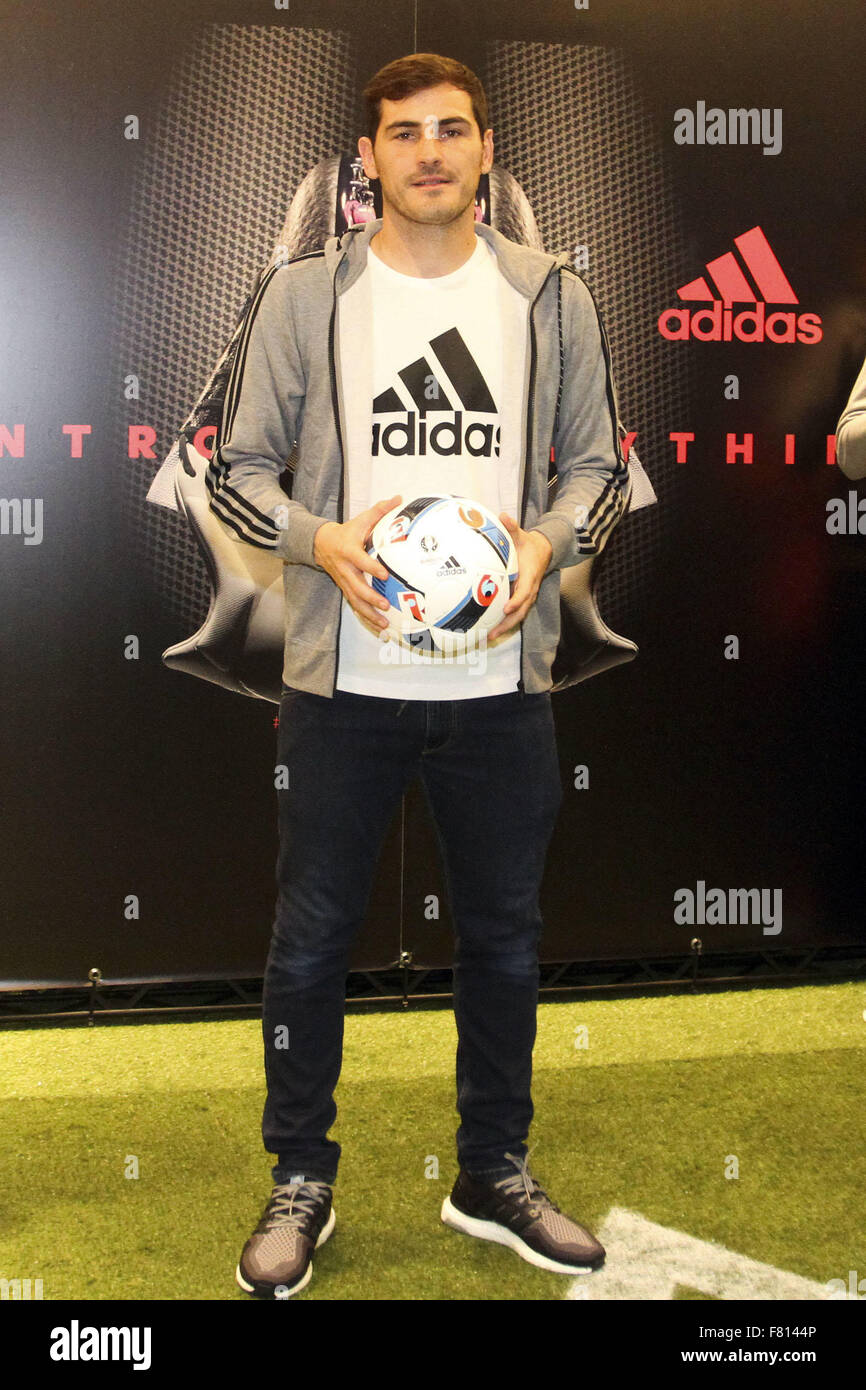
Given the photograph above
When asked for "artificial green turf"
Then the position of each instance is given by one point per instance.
(644, 1118)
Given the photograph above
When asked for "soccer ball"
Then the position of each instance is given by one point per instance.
(451, 568)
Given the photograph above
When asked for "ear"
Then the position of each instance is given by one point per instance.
(487, 157)
(365, 150)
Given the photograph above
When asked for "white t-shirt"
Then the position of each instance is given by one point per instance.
(417, 354)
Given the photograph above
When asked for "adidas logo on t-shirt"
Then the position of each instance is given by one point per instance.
(424, 386)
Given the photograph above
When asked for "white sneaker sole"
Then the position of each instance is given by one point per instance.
(289, 1290)
(491, 1230)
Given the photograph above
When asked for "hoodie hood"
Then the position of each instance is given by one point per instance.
(523, 267)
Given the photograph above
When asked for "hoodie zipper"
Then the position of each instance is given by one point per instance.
(336, 406)
(526, 467)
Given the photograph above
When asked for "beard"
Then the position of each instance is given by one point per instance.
(435, 211)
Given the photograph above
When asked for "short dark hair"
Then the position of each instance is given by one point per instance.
(400, 79)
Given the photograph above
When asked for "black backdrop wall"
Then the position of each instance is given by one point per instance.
(138, 803)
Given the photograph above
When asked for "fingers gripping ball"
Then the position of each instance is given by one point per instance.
(451, 567)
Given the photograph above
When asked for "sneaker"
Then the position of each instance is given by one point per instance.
(517, 1212)
(276, 1261)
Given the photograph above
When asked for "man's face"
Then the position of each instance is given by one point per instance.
(429, 155)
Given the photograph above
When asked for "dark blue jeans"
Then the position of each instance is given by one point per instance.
(490, 772)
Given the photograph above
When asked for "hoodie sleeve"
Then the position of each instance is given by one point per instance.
(851, 431)
(593, 486)
(263, 401)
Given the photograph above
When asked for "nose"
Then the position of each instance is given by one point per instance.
(429, 148)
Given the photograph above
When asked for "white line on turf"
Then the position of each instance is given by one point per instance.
(647, 1261)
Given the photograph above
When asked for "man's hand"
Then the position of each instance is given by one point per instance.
(339, 549)
(533, 556)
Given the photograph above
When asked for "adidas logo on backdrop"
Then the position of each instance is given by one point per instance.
(720, 322)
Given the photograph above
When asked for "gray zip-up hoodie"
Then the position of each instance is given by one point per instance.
(285, 388)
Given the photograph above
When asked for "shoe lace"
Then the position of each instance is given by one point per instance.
(291, 1202)
(522, 1182)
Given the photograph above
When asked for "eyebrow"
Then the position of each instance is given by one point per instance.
(413, 125)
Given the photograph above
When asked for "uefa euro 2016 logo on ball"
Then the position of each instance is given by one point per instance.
(451, 570)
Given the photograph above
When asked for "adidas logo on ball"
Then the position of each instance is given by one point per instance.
(452, 567)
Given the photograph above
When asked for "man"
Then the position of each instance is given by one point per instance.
(330, 355)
